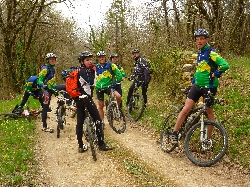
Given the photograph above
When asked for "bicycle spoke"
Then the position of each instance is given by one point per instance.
(208, 151)
(166, 132)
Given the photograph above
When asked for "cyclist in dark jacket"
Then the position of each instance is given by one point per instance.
(141, 70)
(86, 83)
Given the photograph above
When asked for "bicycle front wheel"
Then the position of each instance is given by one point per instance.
(206, 151)
(135, 107)
(116, 118)
(92, 138)
(166, 131)
(59, 120)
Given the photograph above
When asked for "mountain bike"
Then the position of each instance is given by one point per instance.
(200, 149)
(27, 113)
(136, 104)
(89, 131)
(60, 111)
(115, 115)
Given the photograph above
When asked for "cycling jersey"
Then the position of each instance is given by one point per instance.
(209, 62)
(47, 76)
(31, 84)
(141, 69)
(105, 73)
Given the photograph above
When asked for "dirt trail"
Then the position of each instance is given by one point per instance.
(61, 164)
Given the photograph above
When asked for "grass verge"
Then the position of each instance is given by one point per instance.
(16, 144)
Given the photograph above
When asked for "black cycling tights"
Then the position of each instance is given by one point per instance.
(93, 111)
(144, 92)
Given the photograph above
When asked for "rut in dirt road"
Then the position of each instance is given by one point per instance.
(61, 164)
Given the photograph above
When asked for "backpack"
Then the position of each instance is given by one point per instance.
(72, 83)
(151, 67)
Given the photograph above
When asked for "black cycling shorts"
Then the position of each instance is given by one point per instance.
(100, 93)
(196, 92)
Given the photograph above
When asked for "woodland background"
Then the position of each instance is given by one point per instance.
(161, 29)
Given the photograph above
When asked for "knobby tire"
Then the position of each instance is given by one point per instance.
(135, 107)
(91, 136)
(214, 150)
(166, 131)
(117, 123)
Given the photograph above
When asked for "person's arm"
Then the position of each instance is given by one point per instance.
(221, 63)
(146, 70)
(117, 72)
(41, 76)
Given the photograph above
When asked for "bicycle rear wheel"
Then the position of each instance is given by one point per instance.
(135, 107)
(208, 151)
(116, 119)
(92, 138)
(166, 131)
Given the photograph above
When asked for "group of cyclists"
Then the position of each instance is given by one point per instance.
(101, 76)
(209, 67)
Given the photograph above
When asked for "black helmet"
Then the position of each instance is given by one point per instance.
(201, 32)
(101, 53)
(113, 55)
(84, 55)
(135, 51)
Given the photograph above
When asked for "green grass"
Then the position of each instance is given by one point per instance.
(16, 144)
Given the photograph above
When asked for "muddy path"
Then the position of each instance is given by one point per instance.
(60, 164)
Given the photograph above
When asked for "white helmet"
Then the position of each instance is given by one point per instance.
(50, 55)
(101, 53)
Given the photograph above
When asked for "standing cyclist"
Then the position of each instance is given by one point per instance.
(141, 70)
(114, 59)
(47, 81)
(105, 73)
(209, 67)
(86, 82)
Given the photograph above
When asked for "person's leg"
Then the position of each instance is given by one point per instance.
(46, 102)
(130, 92)
(79, 126)
(100, 97)
(93, 111)
(192, 98)
(144, 92)
(118, 97)
(25, 99)
(118, 88)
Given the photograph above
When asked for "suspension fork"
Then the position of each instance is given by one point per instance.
(204, 129)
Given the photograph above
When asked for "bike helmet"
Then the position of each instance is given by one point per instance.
(201, 32)
(84, 55)
(50, 55)
(113, 55)
(135, 51)
(101, 53)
